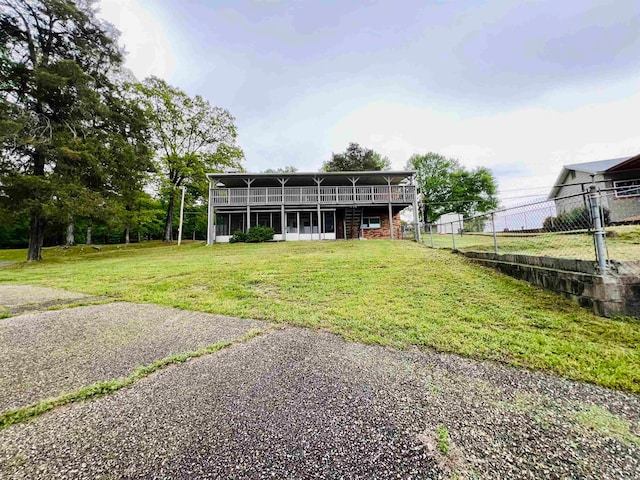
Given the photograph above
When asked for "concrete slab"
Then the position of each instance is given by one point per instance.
(48, 353)
(300, 404)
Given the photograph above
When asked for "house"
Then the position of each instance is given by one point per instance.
(310, 205)
(449, 222)
(618, 177)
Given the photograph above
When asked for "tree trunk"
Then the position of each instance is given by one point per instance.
(71, 237)
(168, 225)
(127, 231)
(37, 220)
(36, 236)
(89, 234)
(138, 236)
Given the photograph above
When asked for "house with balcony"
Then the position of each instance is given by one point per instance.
(310, 205)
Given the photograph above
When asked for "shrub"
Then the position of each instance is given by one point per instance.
(254, 235)
(259, 234)
(238, 236)
(575, 219)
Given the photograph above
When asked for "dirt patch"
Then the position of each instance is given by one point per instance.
(14, 296)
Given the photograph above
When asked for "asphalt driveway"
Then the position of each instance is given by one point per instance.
(296, 403)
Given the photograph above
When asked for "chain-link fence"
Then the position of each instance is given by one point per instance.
(599, 224)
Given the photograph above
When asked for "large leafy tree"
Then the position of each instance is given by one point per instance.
(448, 187)
(191, 137)
(356, 159)
(57, 57)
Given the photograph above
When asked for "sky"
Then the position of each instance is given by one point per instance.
(521, 87)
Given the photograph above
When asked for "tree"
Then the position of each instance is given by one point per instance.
(356, 159)
(287, 169)
(448, 187)
(56, 57)
(191, 138)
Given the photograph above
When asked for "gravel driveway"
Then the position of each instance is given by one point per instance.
(49, 353)
(300, 404)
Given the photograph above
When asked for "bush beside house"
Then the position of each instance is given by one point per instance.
(255, 234)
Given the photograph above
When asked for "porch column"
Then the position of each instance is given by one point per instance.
(353, 181)
(388, 179)
(415, 208)
(283, 220)
(215, 223)
(248, 181)
(210, 216)
(318, 182)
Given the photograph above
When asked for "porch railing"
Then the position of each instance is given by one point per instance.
(362, 194)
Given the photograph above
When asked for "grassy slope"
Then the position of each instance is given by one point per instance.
(394, 293)
(626, 246)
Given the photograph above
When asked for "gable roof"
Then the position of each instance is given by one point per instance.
(593, 168)
(599, 166)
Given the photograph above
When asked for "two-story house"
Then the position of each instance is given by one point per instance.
(310, 205)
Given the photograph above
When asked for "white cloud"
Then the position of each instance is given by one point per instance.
(148, 49)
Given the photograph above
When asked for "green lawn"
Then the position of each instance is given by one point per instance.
(383, 292)
(624, 246)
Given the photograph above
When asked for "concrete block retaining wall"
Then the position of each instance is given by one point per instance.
(616, 293)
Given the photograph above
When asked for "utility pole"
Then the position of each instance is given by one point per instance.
(181, 215)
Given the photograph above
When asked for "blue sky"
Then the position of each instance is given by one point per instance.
(522, 87)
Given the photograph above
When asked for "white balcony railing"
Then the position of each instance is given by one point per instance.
(363, 194)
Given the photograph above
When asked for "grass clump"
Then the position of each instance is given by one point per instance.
(607, 424)
(377, 292)
(444, 440)
(99, 389)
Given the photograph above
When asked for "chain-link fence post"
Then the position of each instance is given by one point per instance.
(493, 229)
(453, 235)
(431, 234)
(598, 231)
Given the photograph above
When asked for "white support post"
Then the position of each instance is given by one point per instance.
(210, 227)
(283, 219)
(248, 181)
(353, 181)
(181, 215)
(416, 222)
(388, 179)
(318, 183)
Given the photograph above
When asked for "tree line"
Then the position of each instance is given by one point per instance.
(83, 142)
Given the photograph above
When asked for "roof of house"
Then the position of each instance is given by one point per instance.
(231, 180)
(593, 168)
(598, 166)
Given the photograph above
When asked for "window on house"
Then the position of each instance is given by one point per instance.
(237, 222)
(305, 222)
(329, 225)
(371, 222)
(264, 219)
(276, 223)
(627, 188)
(222, 224)
(292, 222)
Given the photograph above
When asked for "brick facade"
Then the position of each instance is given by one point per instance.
(384, 231)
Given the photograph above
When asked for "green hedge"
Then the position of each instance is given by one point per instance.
(255, 234)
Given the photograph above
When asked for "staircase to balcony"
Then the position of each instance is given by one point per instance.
(353, 218)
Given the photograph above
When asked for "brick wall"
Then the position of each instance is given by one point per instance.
(384, 231)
